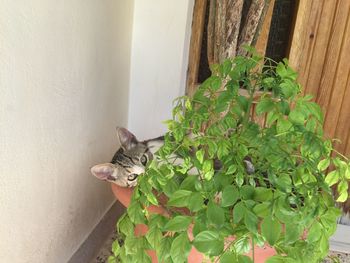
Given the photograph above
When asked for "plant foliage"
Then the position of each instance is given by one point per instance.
(287, 202)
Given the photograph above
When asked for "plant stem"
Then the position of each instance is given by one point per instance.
(340, 154)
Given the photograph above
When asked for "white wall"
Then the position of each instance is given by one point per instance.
(160, 43)
(64, 77)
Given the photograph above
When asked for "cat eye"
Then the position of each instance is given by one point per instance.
(143, 159)
(132, 177)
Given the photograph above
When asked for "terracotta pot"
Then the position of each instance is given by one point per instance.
(261, 254)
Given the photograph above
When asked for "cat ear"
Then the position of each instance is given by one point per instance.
(126, 138)
(103, 171)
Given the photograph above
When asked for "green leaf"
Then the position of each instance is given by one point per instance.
(324, 246)
(180, 248)
(242, 245)
(314, 232)
(170, 187)
(226, 67)
(238, 212)
(208, 169)
(212, 148)
(209, 175)
(215, 83)
(247, 192)
(179, 198)
(200, 155)
(283, 125)
(343, 197)
(199, 226)
(163, 252)
(239, 179)
(124, 257)
(251, 221)
(311, 124)
(230, 196)
(215, 214)
(178, 223)
(262, 210)
(297, 117)
(271, 117)
(288, 88)
(135, 212)
(142, 257)
(342, 186)
(111, 259)
(116, 247)
(262, 194)
(347, 172)
(315, 110)
(323, 164)
(188, 104)
(281, 70)
(125, 225)
(283, 107)
(133, 244)
(284, 183)
(293, 232)
(224, 98)
(228, 257)
(223, 148)
(189, 183)
(276, 259)
(242, 150)
(268, 81)
(244, 259)
(195, 202)
(341, 165)
(231, 169)
(271, 229)
(154, 236)
(243, 102)
(332, 178)
(156, 220)
(151, 198)
(209, 242)
(264, 105)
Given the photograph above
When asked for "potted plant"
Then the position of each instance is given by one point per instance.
(225, 182)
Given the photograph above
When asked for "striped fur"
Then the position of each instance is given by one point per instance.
(129, 161)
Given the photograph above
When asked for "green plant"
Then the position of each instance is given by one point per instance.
(286, 202)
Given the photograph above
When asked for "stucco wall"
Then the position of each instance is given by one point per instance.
(64, 77)
(161, 33)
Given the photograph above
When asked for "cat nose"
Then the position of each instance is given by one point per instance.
(138, 170)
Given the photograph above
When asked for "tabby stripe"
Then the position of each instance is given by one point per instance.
(123, 164)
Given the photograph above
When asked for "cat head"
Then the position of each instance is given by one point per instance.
(128, 162)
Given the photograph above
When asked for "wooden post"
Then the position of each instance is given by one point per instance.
(195, 44)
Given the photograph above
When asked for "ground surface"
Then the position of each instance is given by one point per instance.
(106, 251)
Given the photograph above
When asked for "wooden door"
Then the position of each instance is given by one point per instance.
(320, 52)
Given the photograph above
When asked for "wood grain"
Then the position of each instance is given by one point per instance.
(261, 44)
(333, 54)
(298, 49)
(320, 53)
(321, 37)
(195, 45)
(337, 95)
(310, 41)
(343, 124)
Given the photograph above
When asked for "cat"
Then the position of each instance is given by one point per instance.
(129, 161)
